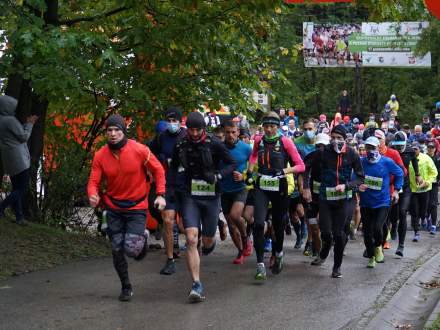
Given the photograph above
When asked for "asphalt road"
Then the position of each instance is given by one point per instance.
(84, 295)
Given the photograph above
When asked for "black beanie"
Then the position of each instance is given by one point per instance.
(195, 120)
(340, 129)
(173, 112)
(118, 121)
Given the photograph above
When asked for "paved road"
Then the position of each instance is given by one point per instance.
(83, 295)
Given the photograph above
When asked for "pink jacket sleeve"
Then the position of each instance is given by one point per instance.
(254, 154)
(294, 155)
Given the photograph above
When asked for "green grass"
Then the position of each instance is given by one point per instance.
(37, 247)
(435, 325)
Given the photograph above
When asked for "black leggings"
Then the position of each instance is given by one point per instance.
(280, 203)
(372, 222)
(332, 220)
(419, 206)
(398, 216)
(433, 203)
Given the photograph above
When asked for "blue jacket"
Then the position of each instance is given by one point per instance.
(240, 152)
(377, 177)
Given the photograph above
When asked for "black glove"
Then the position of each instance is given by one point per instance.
(210, 177)
(249, 178)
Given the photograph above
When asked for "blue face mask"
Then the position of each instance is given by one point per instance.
(309, 134)
(173, 127)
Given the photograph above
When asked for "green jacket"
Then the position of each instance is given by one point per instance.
(427, 170)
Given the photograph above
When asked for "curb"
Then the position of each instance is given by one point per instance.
(434, 314)
(413, 304)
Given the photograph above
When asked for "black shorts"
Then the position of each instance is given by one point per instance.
(250, 200)
(228, 199)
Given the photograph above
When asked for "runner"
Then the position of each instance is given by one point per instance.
(234, 192)
(272, 153)
(433, 195)
(337, 162)
(197, 158)
(122, 164)
(375, 198)
(162, 147)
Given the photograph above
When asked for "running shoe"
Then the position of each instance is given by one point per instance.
(298, 243)
(278, 265)
(336, 273)
(371, 262)
(433, 230)
(239, 260)
(268, 245)
(248, 249)
(378, 254)
(308, 249)
(169, 268)
(387, 245)
(261, 272)
(317, 262)
(399, 251)
(196, 293)
(126, 294)
(416, 237)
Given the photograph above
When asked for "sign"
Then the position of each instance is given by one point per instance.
(366, 44)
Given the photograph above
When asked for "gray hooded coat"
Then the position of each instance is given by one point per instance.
(13, 138)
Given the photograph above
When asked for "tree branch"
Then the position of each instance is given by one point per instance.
(92, 18)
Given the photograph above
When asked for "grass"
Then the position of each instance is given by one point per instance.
(435, 325)
(36, 247)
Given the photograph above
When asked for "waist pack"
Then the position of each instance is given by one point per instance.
(125, 203)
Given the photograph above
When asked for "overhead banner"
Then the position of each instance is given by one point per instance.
(365, 44)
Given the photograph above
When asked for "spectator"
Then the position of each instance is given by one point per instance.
(347, 124)
(355, 127)
(426, 124)
(344, 104)
(282, 115)
(418, 135)
(335, 122)
(386, 113)
(291, 128)
(407, 130)
(394, 104)
(292, 116)
(212, 121)
(15, 155)
(322, 124)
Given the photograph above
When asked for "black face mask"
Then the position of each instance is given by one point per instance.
(119, 145)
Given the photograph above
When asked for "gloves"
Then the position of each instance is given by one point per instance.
(249, 179)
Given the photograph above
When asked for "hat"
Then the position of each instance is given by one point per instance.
(372, 141)
(118, 121)
(173, 112)
(355, 121)
(340, 130)
(322, 138)
(431, 143)
(399, 139)
(244, 131)
(405, 126)
(415, 145)
(195, 120)
(379, 134)
(271, 118)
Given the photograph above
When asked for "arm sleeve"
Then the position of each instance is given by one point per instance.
(254, 154)
(226, 157)
(359, 176)
(432, 171)
(21, 132)
(95, 178)
(415, 164)
(399, 162)
(156, 168)
(397, 173)
(294, 155)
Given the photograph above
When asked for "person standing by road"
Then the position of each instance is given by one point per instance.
(123, 165)
(15, 155)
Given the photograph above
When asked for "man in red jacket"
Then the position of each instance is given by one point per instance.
(122, 164)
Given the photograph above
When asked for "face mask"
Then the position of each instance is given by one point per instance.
(173, 127)
(309, 135)
(423, 149)
(338, 146)
(373, 156)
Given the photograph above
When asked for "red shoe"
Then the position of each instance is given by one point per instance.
(248, 249)
(239, 260)
(387, 245)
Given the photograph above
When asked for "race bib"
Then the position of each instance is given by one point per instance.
(316, 187)
(202, 188)
(269, 183)
(333, 195)
(437, 116)
(373, 182)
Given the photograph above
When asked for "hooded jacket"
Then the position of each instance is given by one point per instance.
(13, 138)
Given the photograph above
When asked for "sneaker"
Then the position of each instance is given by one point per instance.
(248, 249)
(371, 262)
(399, 251)
(169, 268)
(378, 254)
(239, 260)
(126, 294)
(317, 262)
(308, 249)
(261, 272)
(278, 265)
(196, 293)
(433, 230)
(336, 273)
(387, 245)
(416, 237)
(268, 245)
(298, 243)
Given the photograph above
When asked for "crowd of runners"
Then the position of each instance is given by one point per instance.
(325, 179)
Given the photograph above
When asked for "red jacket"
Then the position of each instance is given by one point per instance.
(395, 156)
(124, 173)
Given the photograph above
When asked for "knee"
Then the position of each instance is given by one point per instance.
(168, 222)
(192, 241)
(133, 244)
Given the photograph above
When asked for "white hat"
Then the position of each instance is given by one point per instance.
(322, 138)
(372, 141)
